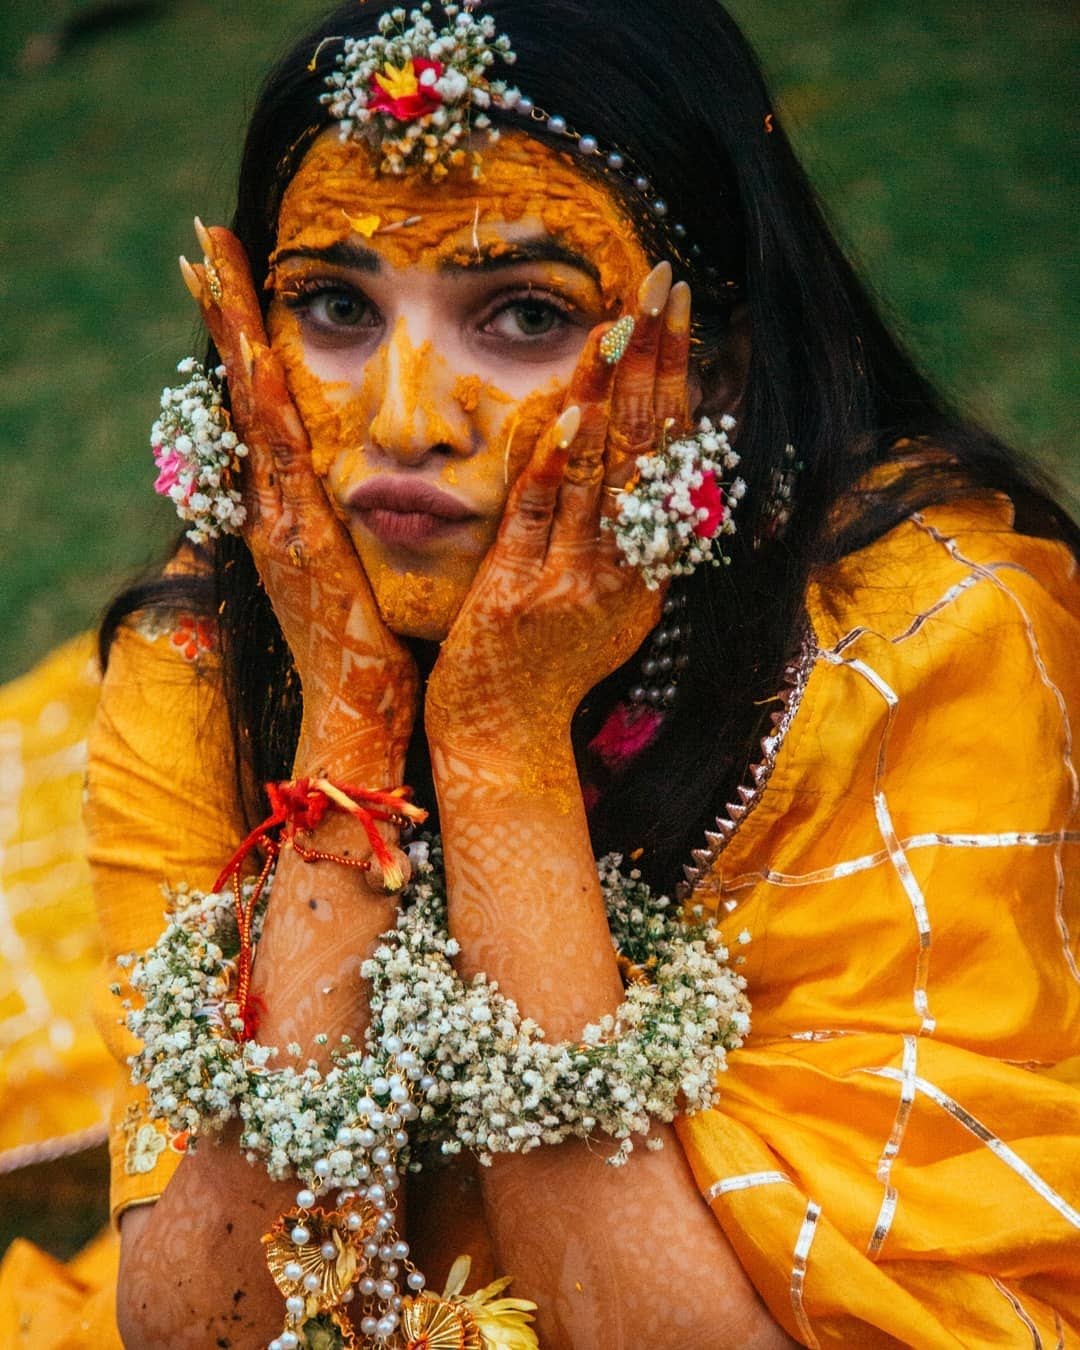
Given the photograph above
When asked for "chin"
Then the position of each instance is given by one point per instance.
(414, 605)
(429, 629)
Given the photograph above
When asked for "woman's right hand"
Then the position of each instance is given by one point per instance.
(359, 681)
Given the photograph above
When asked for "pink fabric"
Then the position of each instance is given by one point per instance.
(627, 731)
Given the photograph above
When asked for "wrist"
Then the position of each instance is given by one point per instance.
(514, 740)
(535, 766)
(370, 761)
(511, 720)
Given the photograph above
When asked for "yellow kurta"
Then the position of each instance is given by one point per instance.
(159, 814)
(896, 1155)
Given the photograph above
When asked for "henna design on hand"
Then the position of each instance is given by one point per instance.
(359, 682)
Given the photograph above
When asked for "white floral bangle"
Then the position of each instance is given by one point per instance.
(673, 516)
(450, 1044)
(444, 1060)
(345, 1130)
(198, 454)
(500, 1087)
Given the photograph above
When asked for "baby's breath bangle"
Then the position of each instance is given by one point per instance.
(440, 1050)
(673, 516)
(501, 1087)
(444, 1060)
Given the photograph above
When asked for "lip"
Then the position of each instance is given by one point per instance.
(405, 510)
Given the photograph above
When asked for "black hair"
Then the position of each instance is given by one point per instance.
(679, 90)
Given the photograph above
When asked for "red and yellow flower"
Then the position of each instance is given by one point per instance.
(406, 92)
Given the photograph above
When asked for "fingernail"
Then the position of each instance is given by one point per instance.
(567, 427)
(202, 234)
(290, 420)
(191, 279)
(615, 341)
(677, 315)
(246, 352)
(654, 291)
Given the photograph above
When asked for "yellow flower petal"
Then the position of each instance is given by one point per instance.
(459, 1273)
(397, 83)
(504, 1329)
(365, 225)
(491, 1290)
(503, 1323)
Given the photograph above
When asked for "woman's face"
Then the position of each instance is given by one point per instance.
(428, 333)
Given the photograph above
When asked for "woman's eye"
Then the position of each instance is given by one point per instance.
(528, 319)
(535, 318)
(331, 309)
(339, 307)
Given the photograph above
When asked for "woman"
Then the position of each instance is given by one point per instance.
(430, 364)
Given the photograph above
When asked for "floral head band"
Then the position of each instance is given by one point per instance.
(418, 91)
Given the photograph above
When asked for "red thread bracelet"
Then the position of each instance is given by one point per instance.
(298, 806)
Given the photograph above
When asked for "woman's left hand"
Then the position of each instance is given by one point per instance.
(553, 608)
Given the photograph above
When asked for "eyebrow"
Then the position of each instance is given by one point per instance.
(512, 252)
(341, 254)
(491, 257)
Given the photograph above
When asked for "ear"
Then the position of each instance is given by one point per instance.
(717, 386)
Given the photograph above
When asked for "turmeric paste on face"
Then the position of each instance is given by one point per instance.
(421, 386)
(423, 223)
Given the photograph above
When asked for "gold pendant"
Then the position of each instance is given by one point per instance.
(334, 1272)
(431, 1323)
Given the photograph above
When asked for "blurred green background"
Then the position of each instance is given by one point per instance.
(938, 133)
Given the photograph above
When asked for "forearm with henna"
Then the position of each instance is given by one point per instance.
(510, 844)
(192, 1269)
(624, 1257)
(627, 1256)
(192, 1272)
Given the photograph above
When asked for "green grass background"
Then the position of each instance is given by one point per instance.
(937, 131)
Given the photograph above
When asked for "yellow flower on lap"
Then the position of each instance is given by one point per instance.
(501, 1323)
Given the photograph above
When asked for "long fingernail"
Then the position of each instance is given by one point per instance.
(677, 314)
(246, 353)
(202, 234)
(615, 341)
(654, 290)
(567, 427)
(191, 279)
(290, 420)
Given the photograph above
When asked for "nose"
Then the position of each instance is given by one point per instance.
(416, 416)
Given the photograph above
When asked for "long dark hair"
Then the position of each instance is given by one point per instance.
(681, 93)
